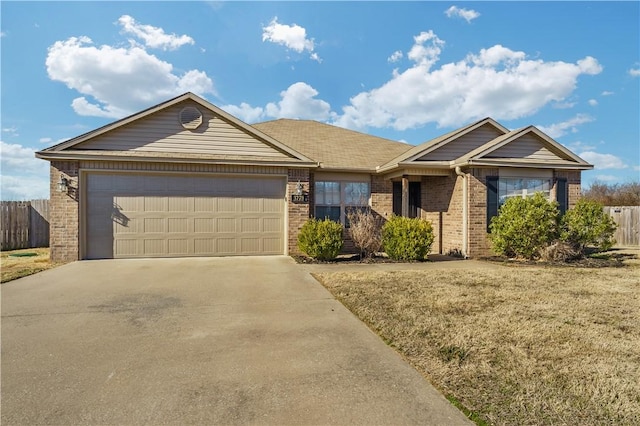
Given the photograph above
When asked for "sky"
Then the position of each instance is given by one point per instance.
(406, 71)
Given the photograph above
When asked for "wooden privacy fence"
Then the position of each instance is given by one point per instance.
(628, 220)
(24, 224)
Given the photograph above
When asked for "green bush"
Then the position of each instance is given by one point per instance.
(407, 239)
(320, 239)
(524, 226)
(588, 225)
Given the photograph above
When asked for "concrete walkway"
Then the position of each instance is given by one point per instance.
(199, 341)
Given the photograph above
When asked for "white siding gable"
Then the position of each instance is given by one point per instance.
(163, 132)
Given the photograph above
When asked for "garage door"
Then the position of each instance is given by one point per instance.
(141, 215)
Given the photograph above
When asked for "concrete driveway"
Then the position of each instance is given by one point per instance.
(198, 341)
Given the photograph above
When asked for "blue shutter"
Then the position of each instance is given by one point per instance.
(492, 199)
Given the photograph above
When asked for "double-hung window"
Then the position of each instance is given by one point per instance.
(335, 199)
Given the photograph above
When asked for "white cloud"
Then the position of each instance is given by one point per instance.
(581, 146)
(395, 56)
(426, 55)
(560, 129)
(24, 177)
(466, 14)
(592, 102)
(121, 80)
(603, 161)
(607, 93)
(634, 72)
(496, 82)
(12, 131)
(45, 140)
(298, 101)
(153, 37)
(293, 37)
(563, 105)
(3, 34)
(245, 112)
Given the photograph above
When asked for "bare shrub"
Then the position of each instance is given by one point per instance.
(559, 251)
(365, 230)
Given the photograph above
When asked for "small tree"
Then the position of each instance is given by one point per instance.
(588, 225)
(320, 239)
(407, 239)
(365, 229)
(524, 226)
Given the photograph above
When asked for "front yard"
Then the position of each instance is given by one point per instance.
(16, 264)
(512, 344)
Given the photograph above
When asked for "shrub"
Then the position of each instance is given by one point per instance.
(559, 251)
(588, 225)
(524, 226)
(320, 239)
(365, 229)
(407, 239)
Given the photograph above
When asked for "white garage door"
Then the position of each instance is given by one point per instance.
(144, 215)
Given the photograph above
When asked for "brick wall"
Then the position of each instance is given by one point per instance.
(441, 204)
(381, 196)
(298, 213)
(479, 244)
(64, 213)
(574, 182)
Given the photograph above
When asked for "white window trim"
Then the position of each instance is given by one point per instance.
(343, 205)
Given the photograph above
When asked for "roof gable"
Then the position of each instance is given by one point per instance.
(450, 145)
(528, 145)
(158, 130)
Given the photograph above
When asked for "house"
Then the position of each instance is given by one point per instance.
(185, 178)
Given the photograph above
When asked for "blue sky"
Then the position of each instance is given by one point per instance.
(407, 71)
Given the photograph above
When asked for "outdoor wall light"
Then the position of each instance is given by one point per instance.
(63, 184)
(298, 188)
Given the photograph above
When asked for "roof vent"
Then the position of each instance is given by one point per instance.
(190, 118)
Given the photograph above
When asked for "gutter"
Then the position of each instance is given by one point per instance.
(465, 212)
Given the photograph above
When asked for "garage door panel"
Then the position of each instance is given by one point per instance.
(167, 215)
(155, 225)
(179, 247)
(204, 225)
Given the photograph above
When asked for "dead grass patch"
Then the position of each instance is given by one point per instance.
(12, 267)
(515, 345)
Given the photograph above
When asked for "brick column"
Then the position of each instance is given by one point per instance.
(64, 212)
(479, 244)
(298, 213)
(574, 190)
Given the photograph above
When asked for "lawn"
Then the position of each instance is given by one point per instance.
(19, 263)
(512, 344)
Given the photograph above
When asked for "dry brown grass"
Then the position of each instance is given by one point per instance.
(12, 268)
(515, 345)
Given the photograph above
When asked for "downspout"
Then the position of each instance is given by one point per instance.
(465, 212)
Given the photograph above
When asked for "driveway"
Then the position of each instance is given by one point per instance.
(198, 341)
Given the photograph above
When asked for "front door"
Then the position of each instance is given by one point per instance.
(414, 199)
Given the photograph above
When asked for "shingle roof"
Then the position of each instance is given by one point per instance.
(334, 147)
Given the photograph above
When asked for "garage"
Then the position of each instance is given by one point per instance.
(131, 215)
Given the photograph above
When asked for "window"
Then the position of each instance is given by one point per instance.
(517, 187)
(333, 200)
(499, 190)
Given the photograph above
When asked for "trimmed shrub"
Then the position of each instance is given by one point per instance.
(321, 239)
(524, 226)
(588, 225)
(407, 239)
(365, 229)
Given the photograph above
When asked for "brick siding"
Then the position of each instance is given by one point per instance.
(64, 213)
(298, 212)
